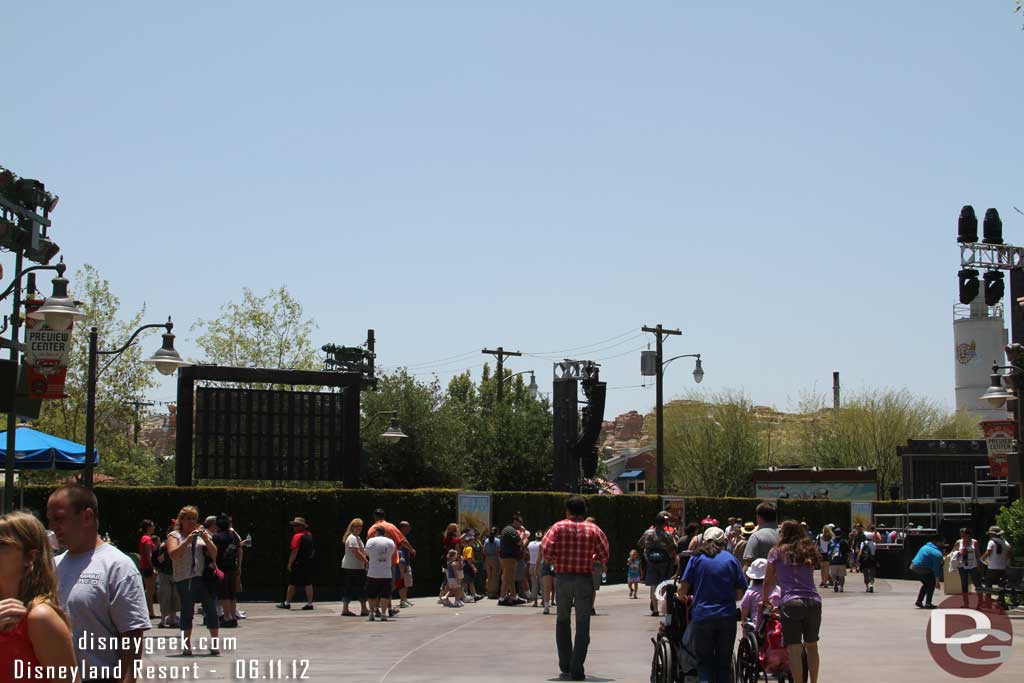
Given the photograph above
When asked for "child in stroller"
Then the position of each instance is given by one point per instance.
(761, 651)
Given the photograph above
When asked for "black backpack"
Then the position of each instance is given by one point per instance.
(227, 559)
(161, 560)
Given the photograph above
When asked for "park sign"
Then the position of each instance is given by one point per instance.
(1000, 436)
(46, 356)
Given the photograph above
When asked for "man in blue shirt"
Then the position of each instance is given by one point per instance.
(718, 582)
(927, 567)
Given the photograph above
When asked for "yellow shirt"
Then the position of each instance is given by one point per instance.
(467, 553)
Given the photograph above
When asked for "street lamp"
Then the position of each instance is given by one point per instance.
(532, 387)
(997, 396)
(166, 360)
(393, 433)
(658, 370)
(55, 319)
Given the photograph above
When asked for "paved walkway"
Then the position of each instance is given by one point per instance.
(863, 637)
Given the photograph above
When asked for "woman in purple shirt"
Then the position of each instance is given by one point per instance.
(791, 566)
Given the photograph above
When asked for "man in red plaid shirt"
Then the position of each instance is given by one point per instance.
(573, 545)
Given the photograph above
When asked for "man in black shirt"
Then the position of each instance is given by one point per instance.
(510, 552)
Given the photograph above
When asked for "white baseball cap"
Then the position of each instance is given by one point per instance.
(757, 569)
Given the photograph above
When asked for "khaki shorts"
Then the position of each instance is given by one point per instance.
(836, 570)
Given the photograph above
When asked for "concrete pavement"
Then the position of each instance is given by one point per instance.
(863, 637)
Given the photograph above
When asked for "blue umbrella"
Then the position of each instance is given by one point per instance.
(34, 450)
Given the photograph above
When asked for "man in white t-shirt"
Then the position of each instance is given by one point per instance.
(98, 586)
(533, 568)
(379, 550)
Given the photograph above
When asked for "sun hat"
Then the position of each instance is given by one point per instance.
(995, 531)
(712, 534)
(709, 521)
(757, 569)
(748, 528)
(298, 521)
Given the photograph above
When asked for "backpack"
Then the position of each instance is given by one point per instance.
(654, 546)
(161, 560)
(867, 557)
(227, 559)
(307, 551)
(835, 552)
(510, 541)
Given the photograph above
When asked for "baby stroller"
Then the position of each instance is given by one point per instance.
(761, 652)
(672, 659)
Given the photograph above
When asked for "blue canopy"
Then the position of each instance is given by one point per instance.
(35, 450)
(632, 474)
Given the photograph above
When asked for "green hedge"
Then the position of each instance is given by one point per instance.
(266, 513)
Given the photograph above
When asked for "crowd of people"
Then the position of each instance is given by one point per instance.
(59, 585)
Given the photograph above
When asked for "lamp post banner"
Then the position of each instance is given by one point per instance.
(46, 356)
(1000, 435)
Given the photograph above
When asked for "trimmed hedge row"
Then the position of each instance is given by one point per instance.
(266, 513)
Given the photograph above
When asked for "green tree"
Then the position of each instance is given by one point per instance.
(260, 332)
(121, 380)
(423, 458)
(867, 430)
(712, 445)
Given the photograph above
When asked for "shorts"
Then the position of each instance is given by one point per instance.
(378, 589)
(147, 573)
(468, 569)
(547, 569)
(520, 570)
(836, 570)
(658, 572)
(453, 583)
(226, 588)
(406, 575)
(301, 575)
(801, 620)
(633, 578)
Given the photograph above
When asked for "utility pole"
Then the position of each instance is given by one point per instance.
(138, 405)
(660, 334)
(501, 354)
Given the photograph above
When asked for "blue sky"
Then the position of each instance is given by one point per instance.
(780, 181)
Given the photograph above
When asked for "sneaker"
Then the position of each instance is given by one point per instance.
(930, 606)
(308, 606)
(284, 605)
(842, 589)
(547, 610)
(229, 623)
(447, 603)
(918, 605)
(392, 612)
(371, 617)
(240, 614)
(405, 604)
(383, 617)
(459, 603)
(871, 588)
(835, 588)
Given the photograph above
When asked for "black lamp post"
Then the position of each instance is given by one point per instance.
(997, 396)
(58, 312)
(166, 360)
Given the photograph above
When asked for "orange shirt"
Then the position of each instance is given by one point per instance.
(392, 532)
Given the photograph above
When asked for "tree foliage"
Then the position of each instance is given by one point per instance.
(121, 381)
(712, 445)
(259, 332)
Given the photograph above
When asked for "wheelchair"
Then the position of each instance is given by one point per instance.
(755, 662)
(672, 661)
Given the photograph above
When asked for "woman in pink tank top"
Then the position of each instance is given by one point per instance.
(33, 629)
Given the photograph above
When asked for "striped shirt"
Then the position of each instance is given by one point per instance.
(573, 547)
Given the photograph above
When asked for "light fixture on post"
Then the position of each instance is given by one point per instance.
(658, 370)
(393, 433)
(167, 361)
(996, 395)
(59, 310)
(532, 388)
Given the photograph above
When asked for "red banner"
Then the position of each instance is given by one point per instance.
(46, 356)
(1000, 435)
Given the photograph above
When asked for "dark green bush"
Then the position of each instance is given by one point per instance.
(266, 512)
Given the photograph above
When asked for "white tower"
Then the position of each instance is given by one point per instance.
(978, 341)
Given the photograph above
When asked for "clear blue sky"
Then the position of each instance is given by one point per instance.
(781, 180)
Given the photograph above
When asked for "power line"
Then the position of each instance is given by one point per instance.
(601, 349)
(619, 355)
(440, 361)
(585, 346)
